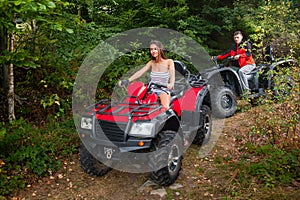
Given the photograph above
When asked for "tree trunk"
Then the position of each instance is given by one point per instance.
(11, 92)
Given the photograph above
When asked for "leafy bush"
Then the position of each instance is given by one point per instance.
(276, 165)
(279, 114)
(29, 151)
(273, 142)
(269, 153)
(270, 23)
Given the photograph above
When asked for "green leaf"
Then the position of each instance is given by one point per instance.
(57, 27)
(42, 7)
(51, 4)
(17, 2)
(69, 30)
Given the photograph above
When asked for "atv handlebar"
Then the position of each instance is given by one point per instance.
(230, 58)
(215, 61)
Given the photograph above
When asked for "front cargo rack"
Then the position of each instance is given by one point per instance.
(131, 108)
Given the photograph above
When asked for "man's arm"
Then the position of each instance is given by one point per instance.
(226, 54)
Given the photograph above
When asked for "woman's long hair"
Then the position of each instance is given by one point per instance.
(161, 51)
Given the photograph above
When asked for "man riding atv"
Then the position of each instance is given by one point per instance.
(242, 78)
(241, 54)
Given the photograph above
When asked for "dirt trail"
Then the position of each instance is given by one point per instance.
(199, 179)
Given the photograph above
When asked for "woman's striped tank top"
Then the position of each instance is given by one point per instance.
(160, 78)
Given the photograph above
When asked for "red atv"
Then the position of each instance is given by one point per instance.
(137, 135)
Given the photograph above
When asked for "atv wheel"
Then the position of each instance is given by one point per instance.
(90, 164)
(170, 158)
(204, 132)
(224, 103)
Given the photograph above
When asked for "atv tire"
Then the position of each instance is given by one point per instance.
(224, 103)
(90, 164)
(204, 132)
(170, 159)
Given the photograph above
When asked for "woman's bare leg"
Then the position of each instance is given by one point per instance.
(165, 100)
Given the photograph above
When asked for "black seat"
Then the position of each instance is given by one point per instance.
(180, 67)
(180, 78)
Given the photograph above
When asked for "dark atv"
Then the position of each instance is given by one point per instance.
(137, 133)
(226, 85)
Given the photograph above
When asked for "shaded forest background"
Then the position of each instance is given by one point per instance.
(52, 38)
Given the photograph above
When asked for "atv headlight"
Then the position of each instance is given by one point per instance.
(86, 123)
(141, 129)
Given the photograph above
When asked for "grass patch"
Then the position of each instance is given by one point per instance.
(28, 152)
(277, 166)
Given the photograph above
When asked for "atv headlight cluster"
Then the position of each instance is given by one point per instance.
(86, 123)
(141, 129)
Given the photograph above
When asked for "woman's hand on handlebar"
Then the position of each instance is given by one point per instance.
(170, 86)
(123, 83)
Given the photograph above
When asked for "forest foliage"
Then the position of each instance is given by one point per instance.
(53, 37)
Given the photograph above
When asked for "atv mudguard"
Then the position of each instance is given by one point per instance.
(191, 104)
(226, 76)
(275, 67)
(282, 62)
(193, 99)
